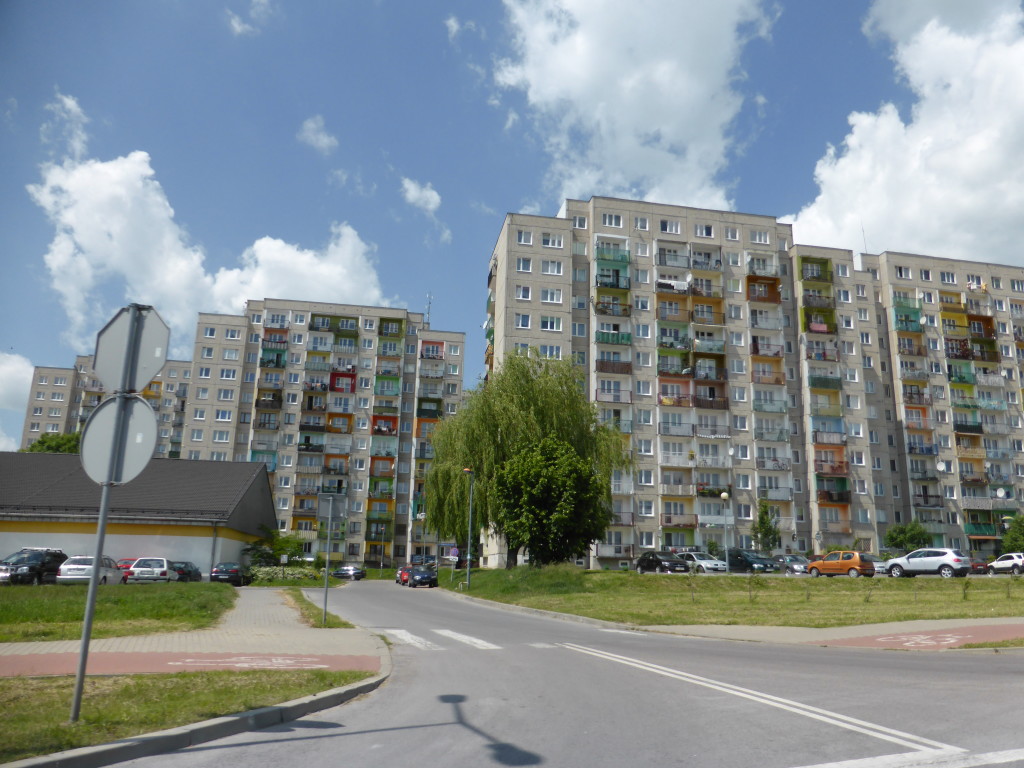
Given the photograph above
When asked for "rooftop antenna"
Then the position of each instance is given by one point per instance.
(430, 298)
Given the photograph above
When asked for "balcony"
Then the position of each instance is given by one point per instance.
(967, 451)
(834, 497)
(832, 467)
(707, 265)
(991, 380)
(614, 366)
(678, 401)
(775, 494)
(758, 349)
(677, 489)
(826, 409)
(917, 398)
(612, 337)
(672, 369)
(308, 426)
(310, 448)
(824, 382)
(679, 521)
(272, 362)
(612, 281)
(677, 460)
(707, 318)
(973, 428)
(712, 431)
(611, 308)
(969, 479)
(991, 404)
(712, 491)
(672, 342)
(771, 377)
(613, 396)
(772, 463)
(816, 273)
(927, 500)
(709, 346)
(834, 526)
(269, 403)
(676, 430)
(818, 353)
(615, 550)
(818, 302)
(911, 350)
(975, 502)
(910, 326)
(822, 437)
(770, 406)
(762, 270)
(625, 426)
(923, 475)
(713, 403)
(709, 373)
(816, 327)
(921, 424)
(772, 435)
(923, 449)
(765, 323)
(760, 292)
(981, 529)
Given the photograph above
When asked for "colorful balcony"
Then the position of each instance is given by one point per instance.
(613, 337)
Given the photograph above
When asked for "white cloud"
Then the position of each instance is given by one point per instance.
(637, 103)
(239, 26)
(942, 181)
(65, 131)
(315, 135)
(260, 12)
(427, 199)
(456, 27)
(15, 381)
(116, 241)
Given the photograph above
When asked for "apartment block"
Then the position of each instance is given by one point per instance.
(339, 401)
(846, 392)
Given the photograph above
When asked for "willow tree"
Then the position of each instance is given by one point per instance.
(521, 404)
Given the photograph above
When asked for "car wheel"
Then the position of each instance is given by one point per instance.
(38, 580)
(700, 569)
(815, 573)
(103, 580)
(895, 571)
(853, 573)
(639, 570)
(991, 571)
(1015, 570)
(947, 572)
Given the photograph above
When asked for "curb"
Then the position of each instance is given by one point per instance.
(183, 736)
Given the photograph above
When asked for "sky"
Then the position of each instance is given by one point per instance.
(192, 155)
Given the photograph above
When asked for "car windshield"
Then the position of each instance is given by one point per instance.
(19, 558)
(870, 558)
(78, 561)
(958, 553)
(226, 566)
(149, 562)
(796, 559)
(702, 556)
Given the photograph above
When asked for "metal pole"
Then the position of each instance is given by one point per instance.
(327, 560)
(725, 500)
(114, 474)
(469, 537)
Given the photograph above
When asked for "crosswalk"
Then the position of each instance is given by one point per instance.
(454, 640)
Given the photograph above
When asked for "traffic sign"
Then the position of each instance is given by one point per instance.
(114, 351)
(99, 438)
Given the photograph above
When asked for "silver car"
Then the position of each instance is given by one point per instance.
(702, 562)
(943, 561)
(1011, 562)
(78, 570)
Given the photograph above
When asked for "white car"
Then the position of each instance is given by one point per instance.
(78, 570)
(702, 562)
(151, 569)
(1011, 562)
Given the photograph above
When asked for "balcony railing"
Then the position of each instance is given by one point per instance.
(679, 521)
(823, 437)
(818, 302)
(975, 502)
(980, 529)
(612, 337)
(826, 409)
(612, 308)
(677, 489)
(612, 281)
(615, 396)
(766, 323)
(770, 406)
(709, 346)
(824, 382)
(974, 428)
(772, 463)
(772, 435)
(917, 398)
(775, 494)
(766, 350)
(713, 403)
(834, 497)
(676, 430)
(832, 467)
(911, 350)
(771, 377)
(707, 318)
(712, 431)
(817, 353)
(927, 500)
(614, 366)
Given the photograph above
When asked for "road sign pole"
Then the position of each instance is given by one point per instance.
(114, 474)
(327, 550)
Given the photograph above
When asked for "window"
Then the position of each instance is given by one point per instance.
(760, 236)
(948, 278)
(551, 267)
(579, 329)
(642, 275)
(641, 303)
(579, 274)
(551, 295)
(549, 240)
(904, 273)
(643, 331)
(210, 333)
(611, 220)
(640, 222)
(523, 292)
(703, 230)
(524, 237)
(524, 264)
(228, 374)
(732, 233)
(196, 435)
(548, 323)
(550, 351)
(579, 222)
(522, 321)
(207, 353)
(670, 227)
(221, 436)
(865, 337)
(225, 394)
(641, 249)
(204, 373)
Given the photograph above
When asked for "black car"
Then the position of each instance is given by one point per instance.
(422, 576)
(31, 565)
(748, 561)
(353, 572)
(661, 562)
(232, 573)
(187, 571)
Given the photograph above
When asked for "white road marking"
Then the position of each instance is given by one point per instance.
(542, 645)
(929, 760)
(934, 748)
(476, 642)
(408, 638)
(255, 662)
(624, 631)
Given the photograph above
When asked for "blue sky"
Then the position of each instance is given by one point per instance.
(190, 155)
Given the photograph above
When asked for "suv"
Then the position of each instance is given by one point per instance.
(661, 562)
(845, 563)
(31, 565)
(943, 561)
(1012, 562)
(748, 561)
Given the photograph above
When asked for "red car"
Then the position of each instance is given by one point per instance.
(123, 565)
(402, 575)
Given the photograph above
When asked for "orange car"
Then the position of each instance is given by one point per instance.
(844, 563)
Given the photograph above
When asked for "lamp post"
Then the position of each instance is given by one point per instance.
(469, 537)
(725, 501)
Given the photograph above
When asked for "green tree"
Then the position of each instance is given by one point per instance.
(1013, 539)
(55, 443)
(520, 404)
(550, 502)
(765, 531)
(907, 536)
(267, 550)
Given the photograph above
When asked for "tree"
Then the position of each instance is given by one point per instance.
(268, 549)
(549, 501)
(520, 404)
(1013, 539)
(907, 536)
(52, 442)
(765, 531)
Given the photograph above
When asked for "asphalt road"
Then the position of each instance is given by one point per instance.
(475, 685)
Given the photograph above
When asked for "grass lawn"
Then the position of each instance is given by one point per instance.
(662, 600)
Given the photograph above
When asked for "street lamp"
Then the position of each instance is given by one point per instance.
(469, 537)
(725, 501)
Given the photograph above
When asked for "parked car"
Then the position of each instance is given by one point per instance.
(124, 564)
(31, 565)
(749, 561)
(844, 563)
(1011, 562)
(402, 574)
(792, 564)
(702, 562)
(661, 562)
(147, 569)
(78, 570)
(187, 571)
(943, 561)
(978, 565)
(233, 573)
(350, 571)
(423, 576)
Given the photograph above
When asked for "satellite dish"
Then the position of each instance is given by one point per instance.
(941, 466)
(731, 450)
(1001, 492)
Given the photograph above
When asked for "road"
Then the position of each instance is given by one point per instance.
(475, 685)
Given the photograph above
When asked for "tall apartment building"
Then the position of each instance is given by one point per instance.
(846, 393)
(338, 400)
